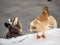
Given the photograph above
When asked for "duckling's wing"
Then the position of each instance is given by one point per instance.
(52, 21)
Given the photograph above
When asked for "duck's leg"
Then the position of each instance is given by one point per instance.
(43, 36)
(38, 36)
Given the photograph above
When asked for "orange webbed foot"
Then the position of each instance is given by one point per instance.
(43, 36)
(38, 36)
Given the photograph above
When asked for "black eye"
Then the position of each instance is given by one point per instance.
(49, 0)
(11, 20)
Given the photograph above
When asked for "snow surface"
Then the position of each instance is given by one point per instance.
(52, 38)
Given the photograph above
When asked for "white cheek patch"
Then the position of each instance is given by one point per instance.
(9, 20)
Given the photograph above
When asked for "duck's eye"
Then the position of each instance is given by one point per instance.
(11, 20)
(49, 0)
(33, 27)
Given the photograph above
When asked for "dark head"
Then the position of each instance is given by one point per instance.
(13, 21)
(6, 25)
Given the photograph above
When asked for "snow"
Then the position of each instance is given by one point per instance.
(52, 38)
